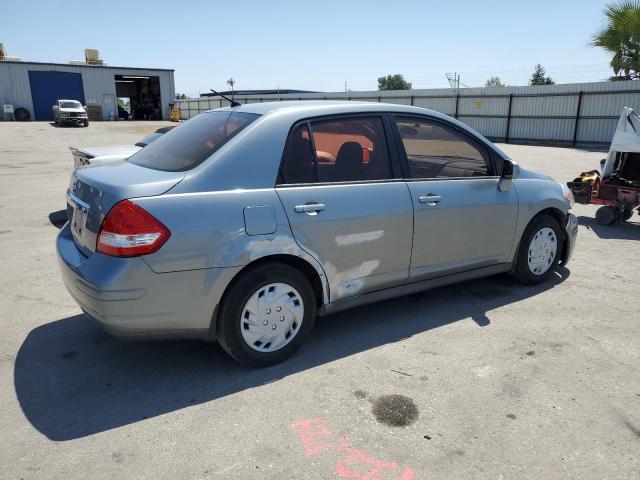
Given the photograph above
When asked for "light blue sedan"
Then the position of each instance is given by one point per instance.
(244, 223)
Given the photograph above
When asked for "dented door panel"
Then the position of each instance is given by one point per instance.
(360, 233)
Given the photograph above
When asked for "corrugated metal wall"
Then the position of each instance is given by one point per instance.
(97, 82)
(536, 114)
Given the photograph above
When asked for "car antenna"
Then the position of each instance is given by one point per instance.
(233, 102)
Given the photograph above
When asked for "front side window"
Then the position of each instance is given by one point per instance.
(191, 143)
(435, 150)
(337, 150)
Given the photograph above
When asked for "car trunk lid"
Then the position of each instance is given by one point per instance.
(94, 190)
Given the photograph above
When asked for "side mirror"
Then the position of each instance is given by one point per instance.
(510, 170)
(602, 162)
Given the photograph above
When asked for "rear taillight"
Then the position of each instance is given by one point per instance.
(128, 231)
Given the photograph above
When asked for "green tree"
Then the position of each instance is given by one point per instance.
(494, 82)
(393, 82)
(180, 96)
(620, 36)
(538, 77)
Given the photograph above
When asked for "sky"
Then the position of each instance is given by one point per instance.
(316, 45)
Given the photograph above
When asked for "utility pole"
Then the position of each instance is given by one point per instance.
(345, 85)
(454, 81)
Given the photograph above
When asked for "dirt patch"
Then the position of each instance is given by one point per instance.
(360, 394)
(635, 430)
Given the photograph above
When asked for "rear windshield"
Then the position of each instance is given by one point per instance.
(191, 143)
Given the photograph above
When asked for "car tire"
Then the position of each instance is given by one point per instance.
(606, 215)
(271, 298)
(86, 123)
(539, 251)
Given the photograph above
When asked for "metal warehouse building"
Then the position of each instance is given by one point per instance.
(36, 86)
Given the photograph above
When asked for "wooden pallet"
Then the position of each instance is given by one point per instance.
(94, 112)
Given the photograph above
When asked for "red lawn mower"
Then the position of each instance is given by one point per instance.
(617, 185)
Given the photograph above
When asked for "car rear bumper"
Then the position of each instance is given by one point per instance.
(571, 229)
(130, 300)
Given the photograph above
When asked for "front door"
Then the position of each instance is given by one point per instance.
(462, 220)
(109, 106)
(344, 205)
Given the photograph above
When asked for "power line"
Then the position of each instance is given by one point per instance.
(473, 78)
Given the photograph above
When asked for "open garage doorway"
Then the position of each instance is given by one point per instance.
(143, 93)
(124, 108)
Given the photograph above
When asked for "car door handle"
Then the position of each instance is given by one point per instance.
(309, 208)
(430, 198)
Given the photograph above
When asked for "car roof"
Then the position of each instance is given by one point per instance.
(327, 107)
(299, 110)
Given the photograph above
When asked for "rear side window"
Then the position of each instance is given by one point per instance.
(191, 143)
(298, 162)
(337, 150)
(435, 150)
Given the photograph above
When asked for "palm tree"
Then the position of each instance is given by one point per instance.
(620, 35)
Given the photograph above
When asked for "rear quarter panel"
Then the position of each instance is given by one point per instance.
(208, 230)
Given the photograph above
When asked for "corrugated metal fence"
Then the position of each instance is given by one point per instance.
(569, 114)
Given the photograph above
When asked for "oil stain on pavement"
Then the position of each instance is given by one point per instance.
(395, 410)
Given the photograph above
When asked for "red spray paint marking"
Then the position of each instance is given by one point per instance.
(349, 466)
(314, 435)
(317, 438)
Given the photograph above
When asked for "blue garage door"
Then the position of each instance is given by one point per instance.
(47, 87)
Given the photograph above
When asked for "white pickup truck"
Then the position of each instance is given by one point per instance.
(70, 111)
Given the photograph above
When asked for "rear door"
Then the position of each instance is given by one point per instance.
(339, 184)
(462, 220)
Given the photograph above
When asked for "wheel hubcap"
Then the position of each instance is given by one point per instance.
(542, 251)
(272, 317)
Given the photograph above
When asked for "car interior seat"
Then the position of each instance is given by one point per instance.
(349, 164)
(299, 162)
